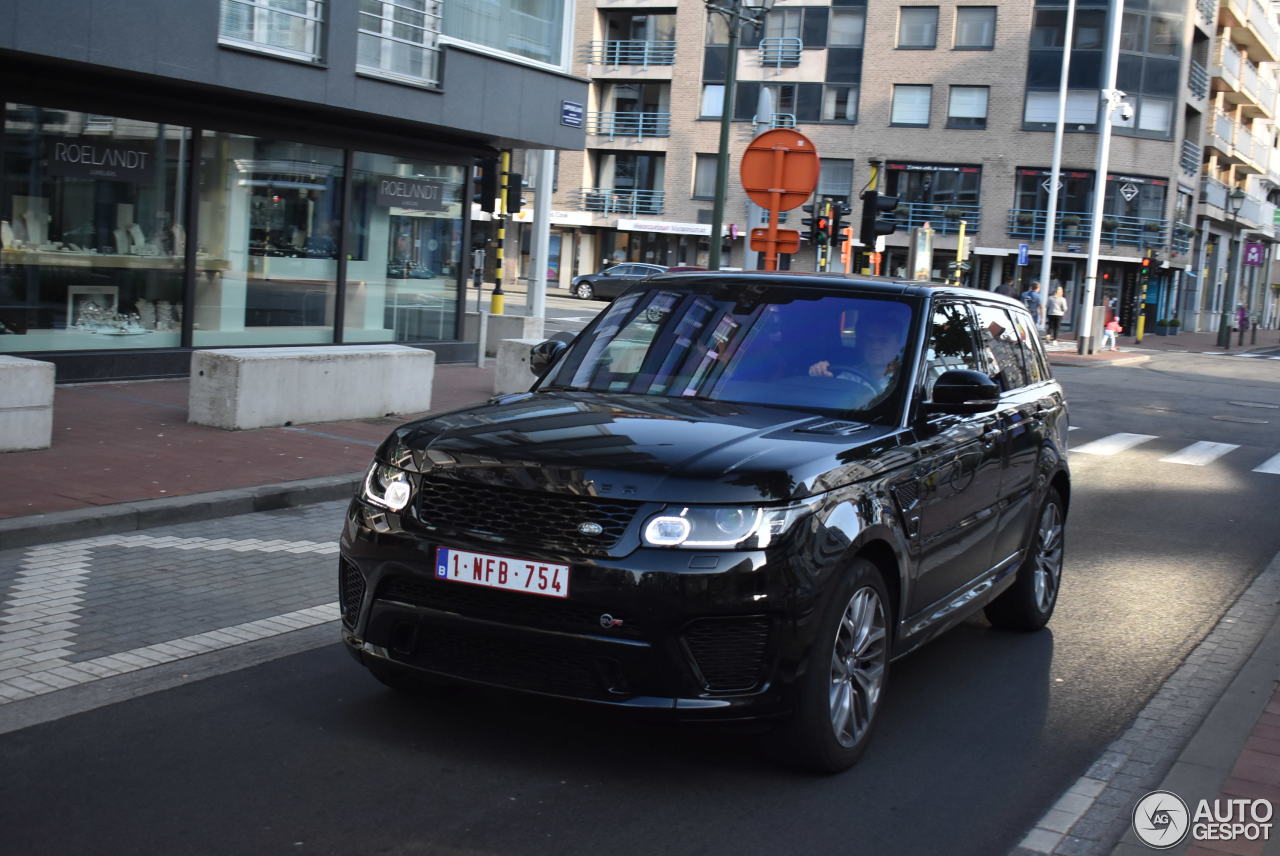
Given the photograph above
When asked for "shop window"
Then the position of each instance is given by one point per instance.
(290, 28)
(268, 244)
(91, 231)
(397, 38)
(404, 243)
(525, 29)
(911, 105)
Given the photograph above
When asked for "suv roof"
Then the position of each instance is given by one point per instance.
(862, 282)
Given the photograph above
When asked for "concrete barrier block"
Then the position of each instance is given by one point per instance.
(239, 388)
(502, 327)
(26, 404)
(512, 372)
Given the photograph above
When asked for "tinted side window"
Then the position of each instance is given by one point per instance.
(951, 344)
(1003, 351)
(1032, 349)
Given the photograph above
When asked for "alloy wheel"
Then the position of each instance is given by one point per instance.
(1048, 556)
(859, 656)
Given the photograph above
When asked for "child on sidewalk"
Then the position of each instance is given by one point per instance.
(1109, 334)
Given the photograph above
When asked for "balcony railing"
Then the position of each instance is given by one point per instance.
(1116, 228)
(1249, 77)
(780, 53)
(775, 120)
(1180, 241)
(617, 200)
(943, 217)
(628, 124)
(1208, 10)
(1198, 80)
(633, 52)
(1190, 159)
(1228, 56)
(1213, 192)
(1260, 20)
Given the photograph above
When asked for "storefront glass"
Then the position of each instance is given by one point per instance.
(270, 214)
(91, 242)
(404, 245)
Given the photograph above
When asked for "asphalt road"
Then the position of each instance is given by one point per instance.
(981, 731)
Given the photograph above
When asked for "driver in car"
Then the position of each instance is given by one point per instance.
(874, 361)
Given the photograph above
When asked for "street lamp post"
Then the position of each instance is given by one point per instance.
(1235, 199)
(736, 13)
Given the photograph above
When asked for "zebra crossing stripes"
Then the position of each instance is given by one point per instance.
(1271, 465)
(1113, 444)
(1199, 454)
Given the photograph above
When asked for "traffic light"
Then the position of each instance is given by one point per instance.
(1145, 272)
(839, 210)
(876, 219)
(810, 224)
(515, 190)
(486, 184)
(822, 228)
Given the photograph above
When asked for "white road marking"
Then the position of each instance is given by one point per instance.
(1114, 444)
(1271, 465)
(1199, 454)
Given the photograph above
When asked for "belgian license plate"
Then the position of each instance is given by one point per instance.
(502, 572)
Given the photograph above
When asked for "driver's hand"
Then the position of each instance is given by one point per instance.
(822, 368)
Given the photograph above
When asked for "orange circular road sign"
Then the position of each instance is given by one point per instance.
(779, 169)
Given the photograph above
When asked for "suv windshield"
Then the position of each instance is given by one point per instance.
(783, 346)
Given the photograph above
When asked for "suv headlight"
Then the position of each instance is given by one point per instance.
(719, 526)
(387, 486)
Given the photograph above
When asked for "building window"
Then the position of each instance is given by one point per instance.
(404, 241)
(835, 179)
(526, 29)
(839, 103)
(712, 101)
(290, 28)
(968, 107)
(784, 24)
(1041, 110)
(937, 184)
(397, 38)
(91, 231)
(911, 105)
(847, 28)
(918, 27)
(704, 177)
(975, 27)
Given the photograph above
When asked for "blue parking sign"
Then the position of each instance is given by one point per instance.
(1024, 254)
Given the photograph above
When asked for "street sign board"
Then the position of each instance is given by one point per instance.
(1024, 254)
(779, 169)
(1128, 191)
(788, 241)
(571, 113)
(1253, 253)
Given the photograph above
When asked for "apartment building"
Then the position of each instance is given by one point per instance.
(956, 102)
(180, 175)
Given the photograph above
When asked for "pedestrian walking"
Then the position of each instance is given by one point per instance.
(1054, 310)
(1034, 301)
(1109, 334)
(1006, 288)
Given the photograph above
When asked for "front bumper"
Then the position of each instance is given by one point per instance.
(702, 635)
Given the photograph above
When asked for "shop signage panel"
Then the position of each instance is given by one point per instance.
(92, 157)
(1253, 253)
(571, 113)
(420, 194)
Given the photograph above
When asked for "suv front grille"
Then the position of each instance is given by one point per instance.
(546, 520)
(729, 652)
(513, 608)
(350, 592)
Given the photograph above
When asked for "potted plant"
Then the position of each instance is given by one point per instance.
(1070, 221)
(1162, 327)
(952, 213)
(1153, 225)
(1110, 224)
(1026, 218)
(1173, 325)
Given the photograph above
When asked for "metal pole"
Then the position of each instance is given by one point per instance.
(545, 160)
(1051, 216)
(1110, 97)
(734, 14)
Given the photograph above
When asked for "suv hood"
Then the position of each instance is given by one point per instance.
(645, 448)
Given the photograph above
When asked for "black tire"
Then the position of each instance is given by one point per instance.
(584, 290)
(1028, 604)
(840, 693)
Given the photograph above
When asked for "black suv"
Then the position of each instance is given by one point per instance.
(732, 496)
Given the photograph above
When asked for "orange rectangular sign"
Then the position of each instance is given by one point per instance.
(788, 241)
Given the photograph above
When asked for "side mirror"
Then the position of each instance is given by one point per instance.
(963, 391)
(543, 355)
